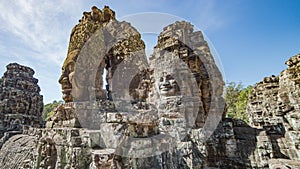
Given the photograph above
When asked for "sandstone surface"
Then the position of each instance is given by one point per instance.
(168, 113)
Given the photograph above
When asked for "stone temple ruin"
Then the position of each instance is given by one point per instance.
(21, 105)
(168, 113)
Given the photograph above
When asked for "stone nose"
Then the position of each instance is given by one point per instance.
(63, 79)
(165, 81)
(60, 79)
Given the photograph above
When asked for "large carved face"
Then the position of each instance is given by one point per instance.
(65, 81)
(67, 74)
(167, 85)
(283, 103)
(102, 161)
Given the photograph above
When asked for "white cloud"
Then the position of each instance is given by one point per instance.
(44, 26)
(41, 26)
(36, 34)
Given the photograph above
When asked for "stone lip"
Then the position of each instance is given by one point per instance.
(146, 117)
(283, 164)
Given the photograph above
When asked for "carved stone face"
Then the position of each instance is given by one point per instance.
(102, 160)
(167, 85)
(66, 81)
(283, 103)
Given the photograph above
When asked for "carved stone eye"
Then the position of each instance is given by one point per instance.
(169, 77)
(104, 158)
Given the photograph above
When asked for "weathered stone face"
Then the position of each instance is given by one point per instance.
(120, 39)
(20, 101)
(167, 85)
(181, 52)
(89, 24)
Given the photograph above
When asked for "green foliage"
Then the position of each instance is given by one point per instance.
(49, 109)
(236, 97)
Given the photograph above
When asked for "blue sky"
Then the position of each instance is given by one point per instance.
(253, 38)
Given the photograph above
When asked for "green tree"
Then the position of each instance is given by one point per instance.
(236, 97)
(49, 109)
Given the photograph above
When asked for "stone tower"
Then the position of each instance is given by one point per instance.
(20, 101)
